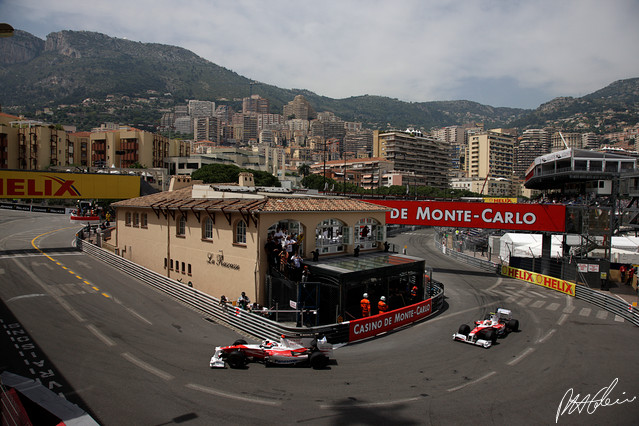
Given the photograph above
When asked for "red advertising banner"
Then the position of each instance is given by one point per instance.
(372, 326)
(454, 214)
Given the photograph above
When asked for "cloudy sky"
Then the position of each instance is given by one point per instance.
(497, 52)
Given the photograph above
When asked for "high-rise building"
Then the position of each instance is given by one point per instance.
(205, 129)
(490, 153)
(299, 108)
(533, 143)
(426, 157)
(561, 141)
(201, 108)
(256, 104)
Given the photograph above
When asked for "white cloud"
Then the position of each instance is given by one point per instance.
(503, 53)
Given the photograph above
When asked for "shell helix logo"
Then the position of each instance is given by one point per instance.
(42, 186)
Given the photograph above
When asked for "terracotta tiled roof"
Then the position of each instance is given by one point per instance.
(311, 204)
(181, 199)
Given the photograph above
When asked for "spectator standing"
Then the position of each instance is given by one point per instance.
(622, 273)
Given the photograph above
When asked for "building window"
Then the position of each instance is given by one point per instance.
(144, 220)
(171, 264)
(136, 219)
(207, 229)
(127, 219)
(240, 232)
(189, 266)
(183, 268)
(165, 263)
(329, 237)
(181, 227)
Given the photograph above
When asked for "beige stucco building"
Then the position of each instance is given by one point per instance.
(214, 236)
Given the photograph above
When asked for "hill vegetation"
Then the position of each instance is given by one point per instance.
(85, 78)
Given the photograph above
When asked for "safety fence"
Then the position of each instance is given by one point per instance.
(609, 303)
(251, 323)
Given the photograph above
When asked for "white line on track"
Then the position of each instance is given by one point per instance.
(497, 284)
(373, 404)
(146, 366)
(546, 336)
(100, 335)
(562, 319)
(216, 392)
(484, 377)
(25, 296)
(520, 356)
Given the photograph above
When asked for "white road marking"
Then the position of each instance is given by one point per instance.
(216, 392)
(550, 333)
(538, 304)
(497, 284)
(146, 366)
(553, 306)
(105, 339)
(524, 301)
(618, 318)
(46, 288)
(373, 404)
(562, 319)
(569, 309)
(520, 356)
(484, 377)
(602, 314)
(585, 312)
(25, 296)
(543, 296)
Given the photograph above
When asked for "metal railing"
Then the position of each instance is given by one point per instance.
(611, 304)
(251, 323)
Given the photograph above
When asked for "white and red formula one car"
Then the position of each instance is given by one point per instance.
(487, 331)
(288, 351)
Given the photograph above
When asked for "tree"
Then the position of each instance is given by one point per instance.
(304, 170)
(229, 173)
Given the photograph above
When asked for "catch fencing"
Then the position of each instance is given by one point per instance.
(250, 323)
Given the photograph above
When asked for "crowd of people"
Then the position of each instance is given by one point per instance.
(283, 254)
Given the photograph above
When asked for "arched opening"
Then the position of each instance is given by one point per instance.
(329, 236)
(366, 233)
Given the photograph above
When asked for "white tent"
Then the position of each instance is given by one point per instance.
(625, 249)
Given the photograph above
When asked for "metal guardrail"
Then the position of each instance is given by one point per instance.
(611, 304)
(253, 324)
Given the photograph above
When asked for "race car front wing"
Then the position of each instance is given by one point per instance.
(472, 340)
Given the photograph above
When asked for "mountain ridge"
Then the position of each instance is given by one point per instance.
(71, 66)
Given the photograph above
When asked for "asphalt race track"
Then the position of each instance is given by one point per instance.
(129, 354)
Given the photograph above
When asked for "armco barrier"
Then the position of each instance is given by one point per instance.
(611, 304)
(250, 323)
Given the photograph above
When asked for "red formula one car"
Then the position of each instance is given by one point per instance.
(487, 331)
(288, 351)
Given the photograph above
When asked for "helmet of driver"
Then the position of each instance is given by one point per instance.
(365, 295)
(383, 298)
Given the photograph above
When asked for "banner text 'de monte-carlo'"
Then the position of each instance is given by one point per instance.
(525, 217)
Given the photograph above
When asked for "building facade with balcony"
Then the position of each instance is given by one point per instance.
(426, 159)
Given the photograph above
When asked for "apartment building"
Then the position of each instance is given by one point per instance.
(425, 156)
(490, 153)
(530, 145)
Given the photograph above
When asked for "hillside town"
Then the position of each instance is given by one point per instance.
(490, 162)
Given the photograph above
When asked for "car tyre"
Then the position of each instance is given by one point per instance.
(318, 360)
(239, 342)
(513, 325)
(491, 335)
(464, 329)
(236, 359)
